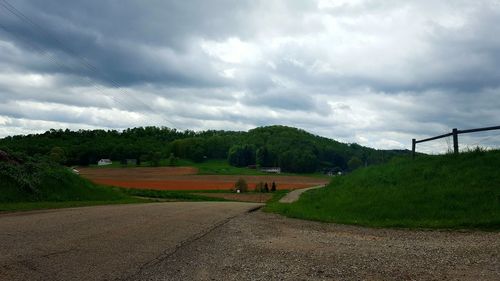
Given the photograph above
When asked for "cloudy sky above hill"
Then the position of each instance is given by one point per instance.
(373, 72)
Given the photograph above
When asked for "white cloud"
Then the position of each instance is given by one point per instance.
(375, 72)
(232, 50)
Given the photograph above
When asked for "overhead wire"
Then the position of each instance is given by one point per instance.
(483, 139)
(82, 60)
(47, 53)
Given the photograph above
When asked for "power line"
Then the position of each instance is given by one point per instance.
(82, 60)
(46, 53)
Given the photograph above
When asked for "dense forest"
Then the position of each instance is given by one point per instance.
(294, 150)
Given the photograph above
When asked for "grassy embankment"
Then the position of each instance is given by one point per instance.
(54, 187)
(447, 191)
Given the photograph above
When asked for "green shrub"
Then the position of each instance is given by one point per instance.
(241, 185)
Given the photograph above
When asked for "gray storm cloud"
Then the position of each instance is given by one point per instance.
(374, 72)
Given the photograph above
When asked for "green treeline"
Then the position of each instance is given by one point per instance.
(292, 149)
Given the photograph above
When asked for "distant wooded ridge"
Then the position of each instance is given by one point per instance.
(291, 149)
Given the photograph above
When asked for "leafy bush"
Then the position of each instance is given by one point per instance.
(241, 185)
(259, 187)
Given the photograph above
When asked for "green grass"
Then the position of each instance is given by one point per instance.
(38, 184)
(56, 185)
(208, 167)
(448, 191)
(167, 194)
(218, 167)
(277, 195)
(221, 167)
(28, 206)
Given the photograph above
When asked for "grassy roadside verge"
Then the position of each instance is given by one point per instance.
(278, 194)
(126, 196)
(30, 206)
(447, 191)
(167, 194)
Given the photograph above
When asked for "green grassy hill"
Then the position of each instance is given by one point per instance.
(29, 183)
(448, 191)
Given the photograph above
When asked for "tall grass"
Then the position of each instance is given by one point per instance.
(448, 191)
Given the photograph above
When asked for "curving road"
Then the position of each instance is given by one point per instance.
(294, 195)
(103, 242)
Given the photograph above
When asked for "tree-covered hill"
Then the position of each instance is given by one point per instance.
(292, 149)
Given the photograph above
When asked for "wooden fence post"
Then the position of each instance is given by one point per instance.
(413, 146)
(455, 140)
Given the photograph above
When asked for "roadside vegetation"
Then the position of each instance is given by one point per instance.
(38, 183)
(447, 191)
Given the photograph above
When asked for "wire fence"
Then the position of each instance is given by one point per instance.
(456, 141)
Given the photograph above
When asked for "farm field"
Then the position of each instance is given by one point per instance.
(186, 178)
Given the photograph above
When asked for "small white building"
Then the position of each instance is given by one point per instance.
(104, 162)
(276, 170)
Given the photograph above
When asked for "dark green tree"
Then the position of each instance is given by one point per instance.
(172, 160)
(354, 163)
(57, 155)
(241, 155)
(155, 158)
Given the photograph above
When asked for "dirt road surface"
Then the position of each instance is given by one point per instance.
(295, 194)
(103, 242)
(260, 246)
(198, 241)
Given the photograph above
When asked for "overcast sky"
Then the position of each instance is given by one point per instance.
(378, 73)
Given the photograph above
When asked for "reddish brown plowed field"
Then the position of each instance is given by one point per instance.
(165, 178)
(143, 173)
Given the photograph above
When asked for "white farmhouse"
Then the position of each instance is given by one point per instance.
(104, 162)
(276, 170)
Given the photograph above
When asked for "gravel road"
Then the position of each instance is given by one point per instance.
(260, 246)
(294, 195)
(221, 241)
(103, 242)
